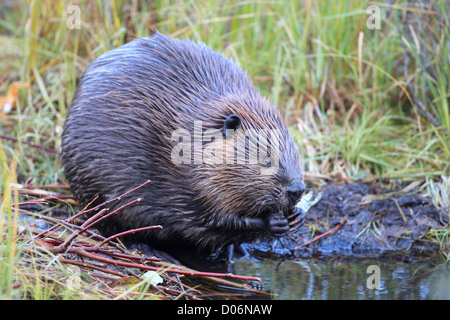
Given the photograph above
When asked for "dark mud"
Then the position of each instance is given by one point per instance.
(374, 221)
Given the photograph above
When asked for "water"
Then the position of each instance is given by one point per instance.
(336, 279)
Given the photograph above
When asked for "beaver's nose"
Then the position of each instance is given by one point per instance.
(295, 191)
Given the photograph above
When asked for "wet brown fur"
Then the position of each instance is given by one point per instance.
(118, 135)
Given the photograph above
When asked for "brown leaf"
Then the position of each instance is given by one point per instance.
(9, 101)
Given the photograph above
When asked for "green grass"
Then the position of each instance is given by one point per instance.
(355, 109)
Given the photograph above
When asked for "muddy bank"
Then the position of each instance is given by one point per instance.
(370, 221)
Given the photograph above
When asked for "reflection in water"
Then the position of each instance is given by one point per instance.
(343, 279)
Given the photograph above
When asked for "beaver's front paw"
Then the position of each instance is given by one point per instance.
(277, 224)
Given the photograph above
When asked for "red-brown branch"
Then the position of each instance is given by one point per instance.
(116, 198)
(91, 266)
(333, 230)
(131, 231)
(85, 210)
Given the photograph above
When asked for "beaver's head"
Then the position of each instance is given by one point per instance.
(245, 160)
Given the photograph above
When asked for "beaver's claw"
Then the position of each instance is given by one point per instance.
(278, 225)
(300, 215)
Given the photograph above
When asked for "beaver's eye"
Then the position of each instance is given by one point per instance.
(267, 162)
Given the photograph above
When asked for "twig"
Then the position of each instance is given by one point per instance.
(127, 232)
(128, 256)
(66, 221)
(31, 144)
(85, 210)
(63, 246)
(91, 266)
(116, 198)
(333, 230)
(96, 218)
(102, 217)
(178, 293)
(44, 194)
(48, 186)
(57, 225)
(399, 209)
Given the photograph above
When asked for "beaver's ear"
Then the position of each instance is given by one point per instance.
(232, 122)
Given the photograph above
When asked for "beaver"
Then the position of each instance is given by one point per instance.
(120, 132)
